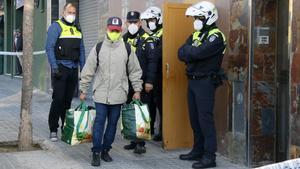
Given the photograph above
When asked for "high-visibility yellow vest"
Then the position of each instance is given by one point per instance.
(68, 43)
(133, 41)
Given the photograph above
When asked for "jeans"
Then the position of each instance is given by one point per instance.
(112, 114)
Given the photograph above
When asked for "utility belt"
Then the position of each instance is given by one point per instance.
(199, 77)
(217, 78)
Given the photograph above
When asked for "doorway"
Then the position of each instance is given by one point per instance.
(177, 132)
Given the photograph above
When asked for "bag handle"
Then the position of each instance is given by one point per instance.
(81, 106)
(139, 104)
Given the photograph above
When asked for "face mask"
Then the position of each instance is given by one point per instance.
(114, 36)
(133, 29)
(198, 24)
(70, 18)
(152, 25)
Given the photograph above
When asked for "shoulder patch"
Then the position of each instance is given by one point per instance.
(212, 38)
(152, 45)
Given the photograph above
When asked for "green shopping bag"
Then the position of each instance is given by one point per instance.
(78, 125)
(135, 121)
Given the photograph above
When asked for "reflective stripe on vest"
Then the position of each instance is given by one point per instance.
(215, 32)
(158, 33)
(68, 31)
(197, 40)
(133, 42)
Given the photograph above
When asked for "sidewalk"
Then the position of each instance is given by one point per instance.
(62, 156)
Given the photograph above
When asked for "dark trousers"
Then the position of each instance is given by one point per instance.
(19, 67)
(201, 94)
(63, 92)
(157, 98)
(112, 114)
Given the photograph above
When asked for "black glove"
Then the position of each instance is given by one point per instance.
(57, 74)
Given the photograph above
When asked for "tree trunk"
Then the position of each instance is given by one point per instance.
(25, 129)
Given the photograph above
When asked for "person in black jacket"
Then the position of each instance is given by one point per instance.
(144, 48)
(203, 54)
(154, 21)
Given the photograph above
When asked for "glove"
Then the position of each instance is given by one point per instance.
(57, 74)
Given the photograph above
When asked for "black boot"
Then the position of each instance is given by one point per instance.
(105, 156)
(130, 146)
(140, 149)
(157, 137)
(205, 162)
(96, 159)
(191, 156)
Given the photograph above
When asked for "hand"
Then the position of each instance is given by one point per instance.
(137, 96)
(148, 87)
(82, 96)
(57, 74)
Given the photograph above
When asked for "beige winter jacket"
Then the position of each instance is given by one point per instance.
(110, 78)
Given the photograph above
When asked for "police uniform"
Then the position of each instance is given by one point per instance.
(144, 48)
(68, 45)
(65, 52)
(157, 37)
(203, 53)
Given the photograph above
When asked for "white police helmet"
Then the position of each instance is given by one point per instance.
(206, 9)
(152, 12)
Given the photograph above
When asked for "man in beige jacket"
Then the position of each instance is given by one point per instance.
(111, 63)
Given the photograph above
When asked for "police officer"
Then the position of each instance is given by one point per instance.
(144, 48)
(153, 18)
(203, 54)
(65, 51)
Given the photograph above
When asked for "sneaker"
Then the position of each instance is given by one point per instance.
(95, 159)
(139, 149)
(105, 156)
(53, 136)
(130, 146)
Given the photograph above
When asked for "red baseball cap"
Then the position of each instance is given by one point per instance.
(114, 23)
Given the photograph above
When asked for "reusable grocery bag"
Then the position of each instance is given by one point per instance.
(78, 125)
(135, 121)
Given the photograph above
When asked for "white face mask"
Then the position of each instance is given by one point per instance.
(152, 26)
(70, 18)
(198, 24)
(133, 29)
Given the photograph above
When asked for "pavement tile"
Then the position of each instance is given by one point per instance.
(59, 155)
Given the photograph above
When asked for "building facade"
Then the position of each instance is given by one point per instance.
(257, 109)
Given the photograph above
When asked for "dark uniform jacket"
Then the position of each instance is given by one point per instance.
(203, 52)
(145, 51)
